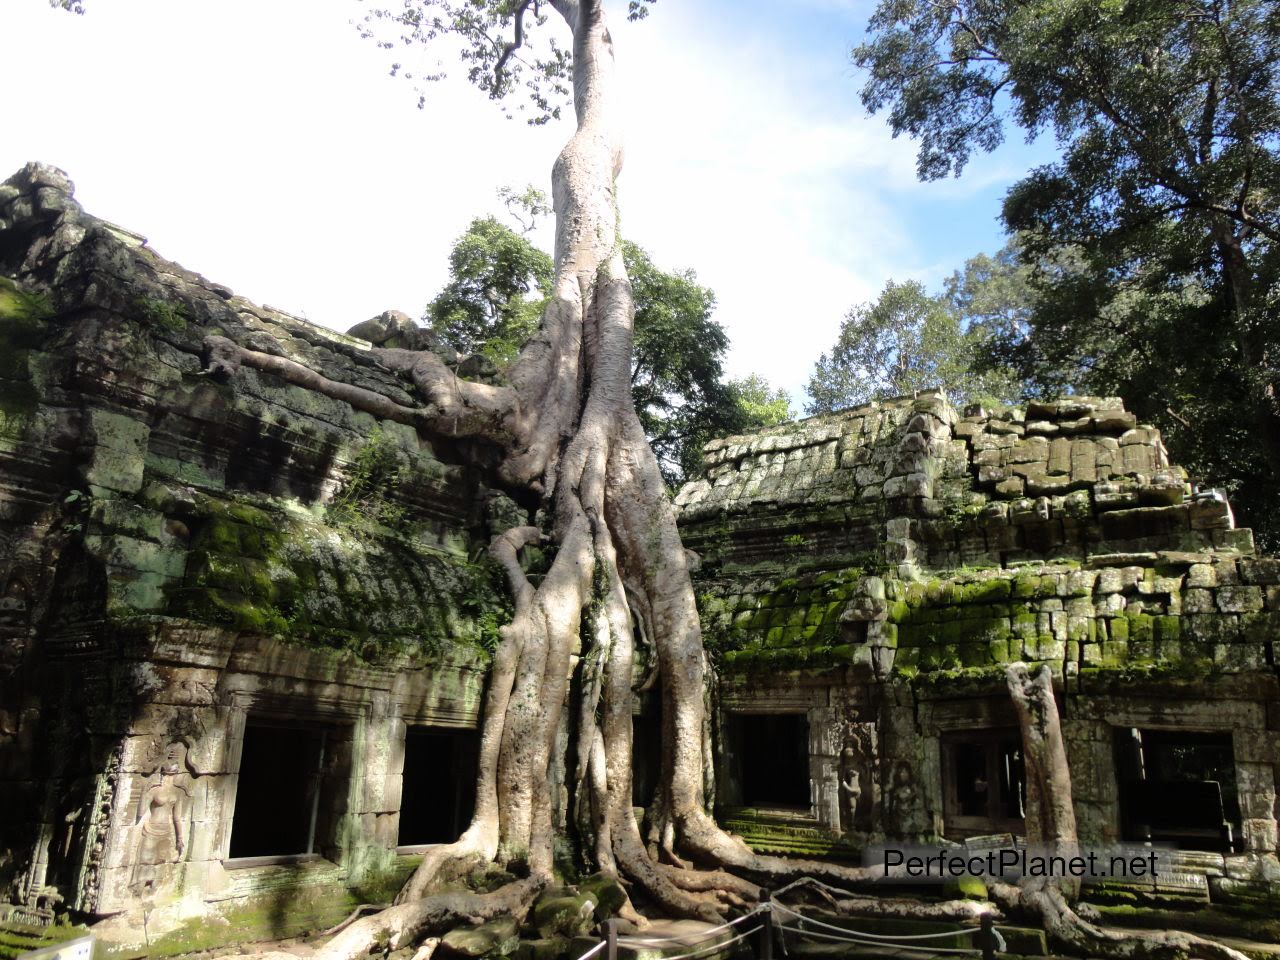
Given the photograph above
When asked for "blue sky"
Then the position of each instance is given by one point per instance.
(265, 146)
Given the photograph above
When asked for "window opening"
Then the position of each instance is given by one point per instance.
(772, 755)
(1178, 787)
(279, 791)
(984, 782)
(438, 791)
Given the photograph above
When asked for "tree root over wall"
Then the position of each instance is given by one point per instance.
(571, 440)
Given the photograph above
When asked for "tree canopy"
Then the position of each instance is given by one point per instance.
(499, 283)
(908, 340)
(1164, 200)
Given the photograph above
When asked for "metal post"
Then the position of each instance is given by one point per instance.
(988, 937)
(766, 926)
(611, 938)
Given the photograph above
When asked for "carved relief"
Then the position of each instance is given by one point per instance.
(97, 828)
(859, 763)
(162, 825)
(902, 803)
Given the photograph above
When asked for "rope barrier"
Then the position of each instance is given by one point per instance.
(711, 948)
(968, 931)
(655, 941)
(870, 942)
(904, 941)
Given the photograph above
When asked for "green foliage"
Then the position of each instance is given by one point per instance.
(160, 313)
(505, 45)
(677, 378)
(909, 340)
(25, 309)
(758, 404)
(12, 426)
(526, 206)
(362, 501)
(23, 315)
(498, 285)
(484, 598)
(1154, 242)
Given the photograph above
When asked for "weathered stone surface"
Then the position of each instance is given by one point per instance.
(1064, 539)
(179, 555)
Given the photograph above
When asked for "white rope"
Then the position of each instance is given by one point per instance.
(1000, 946)
(710, 948)
(702, 935)
(871, 942)
(886, 937)
(594, 950)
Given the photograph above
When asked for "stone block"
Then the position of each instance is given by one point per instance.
(1201, 575)
(1196, 600)
(1239, 599)
(1113, 421)
(1255, 745)
(1211, 627)
(1138, 460)
(1115, 496)
(1060, 456)
(386, 830)
(1011, 487)
(119, 453)
(1084, 459)
(1239, 540)
(1211, 513)
(1239, 657)
(1260, 570)
(1028, 450)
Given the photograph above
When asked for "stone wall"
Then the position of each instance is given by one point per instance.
(877, 568)
(179, 554)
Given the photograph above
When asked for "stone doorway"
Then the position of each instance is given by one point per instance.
(438, 793)
(1179, 787)
(770, 752)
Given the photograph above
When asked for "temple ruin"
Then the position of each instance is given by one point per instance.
(244, 628)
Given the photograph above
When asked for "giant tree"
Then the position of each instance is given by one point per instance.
(499, 283)
(574, 451)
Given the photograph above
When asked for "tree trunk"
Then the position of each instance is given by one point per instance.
(1051, 822)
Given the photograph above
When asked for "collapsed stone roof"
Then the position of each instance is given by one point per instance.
(911, 538)
(133, 486)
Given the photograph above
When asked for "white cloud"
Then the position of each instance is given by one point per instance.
(264, 145)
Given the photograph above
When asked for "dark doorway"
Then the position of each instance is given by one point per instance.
(1178, 787)
(772, 755)
(984, 782)
(278, 797)
(439, 784)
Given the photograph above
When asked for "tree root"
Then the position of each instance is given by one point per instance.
(404, 924)
(350, 918)
(1065, 926)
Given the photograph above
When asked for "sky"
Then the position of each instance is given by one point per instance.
(264, 145)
